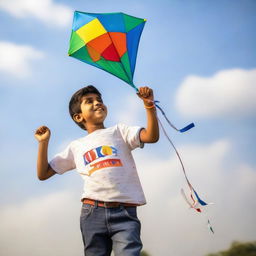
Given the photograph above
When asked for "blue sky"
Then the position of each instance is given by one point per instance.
(200, 59)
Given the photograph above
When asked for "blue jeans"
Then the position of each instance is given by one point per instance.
(104, 229)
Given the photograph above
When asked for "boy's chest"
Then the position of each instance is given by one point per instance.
(99, 152)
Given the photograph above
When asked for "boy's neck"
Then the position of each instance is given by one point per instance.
(93, 127)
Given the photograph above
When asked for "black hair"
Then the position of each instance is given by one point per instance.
(75, 101)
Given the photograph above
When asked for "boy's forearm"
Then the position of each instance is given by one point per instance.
(151, 133)
(42, 160)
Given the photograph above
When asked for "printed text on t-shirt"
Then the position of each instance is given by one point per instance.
(100, 152)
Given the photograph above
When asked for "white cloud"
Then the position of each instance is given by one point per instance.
(42, 226)
(227, 93)
(170, 228)
(45, 10)
(17, 59)
(49, 225)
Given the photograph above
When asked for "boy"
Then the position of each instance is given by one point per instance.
(103, 158)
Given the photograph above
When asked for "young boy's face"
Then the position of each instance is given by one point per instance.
(93, 110)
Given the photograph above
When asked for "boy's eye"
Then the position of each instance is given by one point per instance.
(91, 100)
(88, 101)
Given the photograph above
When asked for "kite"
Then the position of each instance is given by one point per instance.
(110, 41)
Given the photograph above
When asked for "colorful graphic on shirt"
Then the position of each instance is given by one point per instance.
(100, 152)
(104, 164)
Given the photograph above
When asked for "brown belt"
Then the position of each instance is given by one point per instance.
(107, 204)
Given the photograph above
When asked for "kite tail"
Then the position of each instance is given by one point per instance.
(196, 202)
(184, 129)
(210, 226)
(192, 190)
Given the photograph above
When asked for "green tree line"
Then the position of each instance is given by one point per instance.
(238, 249)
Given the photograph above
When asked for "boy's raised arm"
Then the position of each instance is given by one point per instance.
(44, 170)
(151, 133)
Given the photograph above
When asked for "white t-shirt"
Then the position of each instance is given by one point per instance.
(103, 158)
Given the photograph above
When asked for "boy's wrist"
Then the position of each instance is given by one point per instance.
(148, 104)
(45, 141)
(152, 106)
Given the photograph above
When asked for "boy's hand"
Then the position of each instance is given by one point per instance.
(146, 94)
(43, 133)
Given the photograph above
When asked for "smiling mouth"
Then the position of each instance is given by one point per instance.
(99, 109)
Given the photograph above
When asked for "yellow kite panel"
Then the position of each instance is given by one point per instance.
(91, 30)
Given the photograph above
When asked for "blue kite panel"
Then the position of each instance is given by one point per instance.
(133, 38)
(112, 22)
(80, 19)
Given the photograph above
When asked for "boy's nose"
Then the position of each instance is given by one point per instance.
(97, 103)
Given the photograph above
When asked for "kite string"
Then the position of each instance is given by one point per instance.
(184, 129)
(176, 151)
(183, 169)
(168, 138)
(168, 121)
(192, 190)
(198, 200)
(195, 203)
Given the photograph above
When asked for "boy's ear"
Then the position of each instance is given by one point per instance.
(78, 118)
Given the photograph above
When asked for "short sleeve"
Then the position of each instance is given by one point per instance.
(131, 135)
(63, 161)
